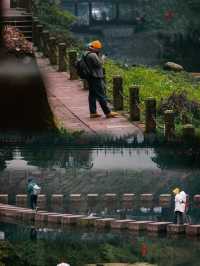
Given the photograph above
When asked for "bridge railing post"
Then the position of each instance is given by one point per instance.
(34, 31)
(169, 130)
(188, 132)
(29, 6)
(134, 100)
(52, 51)
(62, 57)
(39, 32)
(38, 29)
(72, 55)
(150, 115)
(45, 40)
(118, 102)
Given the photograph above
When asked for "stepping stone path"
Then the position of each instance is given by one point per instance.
(9, 213)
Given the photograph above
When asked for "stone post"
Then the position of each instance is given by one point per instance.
(188, 132)
(150, 115)
(92, 200)
(134, 103)
(4, 198)
(165, 200)
(118, 93)
(57, 202)
(52, 51)
(72, 60)
(35, 23)
(21, 200)
(169, 125)
(110, 201)
(42, 201)
(39, 32)
(29, 6)
(45, 40)
(62, 54)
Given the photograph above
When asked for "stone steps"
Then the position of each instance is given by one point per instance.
(23, 23)
(49, 219)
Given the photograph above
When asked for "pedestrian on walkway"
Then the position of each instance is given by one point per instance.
(33, 191)
(180, 206)
(96, 83)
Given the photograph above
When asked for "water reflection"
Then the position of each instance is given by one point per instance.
(83, 246)
(63, 170)
(153, 31)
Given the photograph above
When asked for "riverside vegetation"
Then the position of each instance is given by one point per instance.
(179, 92)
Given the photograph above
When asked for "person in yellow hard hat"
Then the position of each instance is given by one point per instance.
(180, 206)
(96, 83)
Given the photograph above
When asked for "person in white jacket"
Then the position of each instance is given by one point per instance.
(180, 206)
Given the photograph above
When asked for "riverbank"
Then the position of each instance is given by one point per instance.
(177, 91)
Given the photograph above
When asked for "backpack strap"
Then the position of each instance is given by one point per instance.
(84, 58)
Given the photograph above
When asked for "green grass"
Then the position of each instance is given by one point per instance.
(153, 82)
(156, 83)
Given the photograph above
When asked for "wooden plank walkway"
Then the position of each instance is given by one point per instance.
(69, 103)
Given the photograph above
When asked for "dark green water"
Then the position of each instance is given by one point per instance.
(60, 169)
(63, 170)
(47, 247)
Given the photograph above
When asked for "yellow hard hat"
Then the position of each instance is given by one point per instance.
(96, 44)
(176, 190)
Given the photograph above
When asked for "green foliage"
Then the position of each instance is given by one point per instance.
(156, 83)
(56, 20)
(52, 14)
(8, 255)
(111, 253)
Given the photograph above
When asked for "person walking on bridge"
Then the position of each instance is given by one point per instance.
(180, 206)
(33, 191)
(96, 81)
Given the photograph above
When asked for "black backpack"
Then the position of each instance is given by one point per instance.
(82, 68)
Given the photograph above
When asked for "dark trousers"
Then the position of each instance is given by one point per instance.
(33, 201)
(178, 217)
(97, 93)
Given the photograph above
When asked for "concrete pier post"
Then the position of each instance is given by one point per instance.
(150, 115)
(21, 200)
(4, 198)
(165, 200)
(169, 132)
(72, 60)
(45, 40)
(40, 40)
(188, 132)
(62, 54)
(34, 34)
(118, 93)
(134, 103)
(52, 51)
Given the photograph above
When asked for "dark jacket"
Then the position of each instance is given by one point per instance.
(30, 187)
(95, 64)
